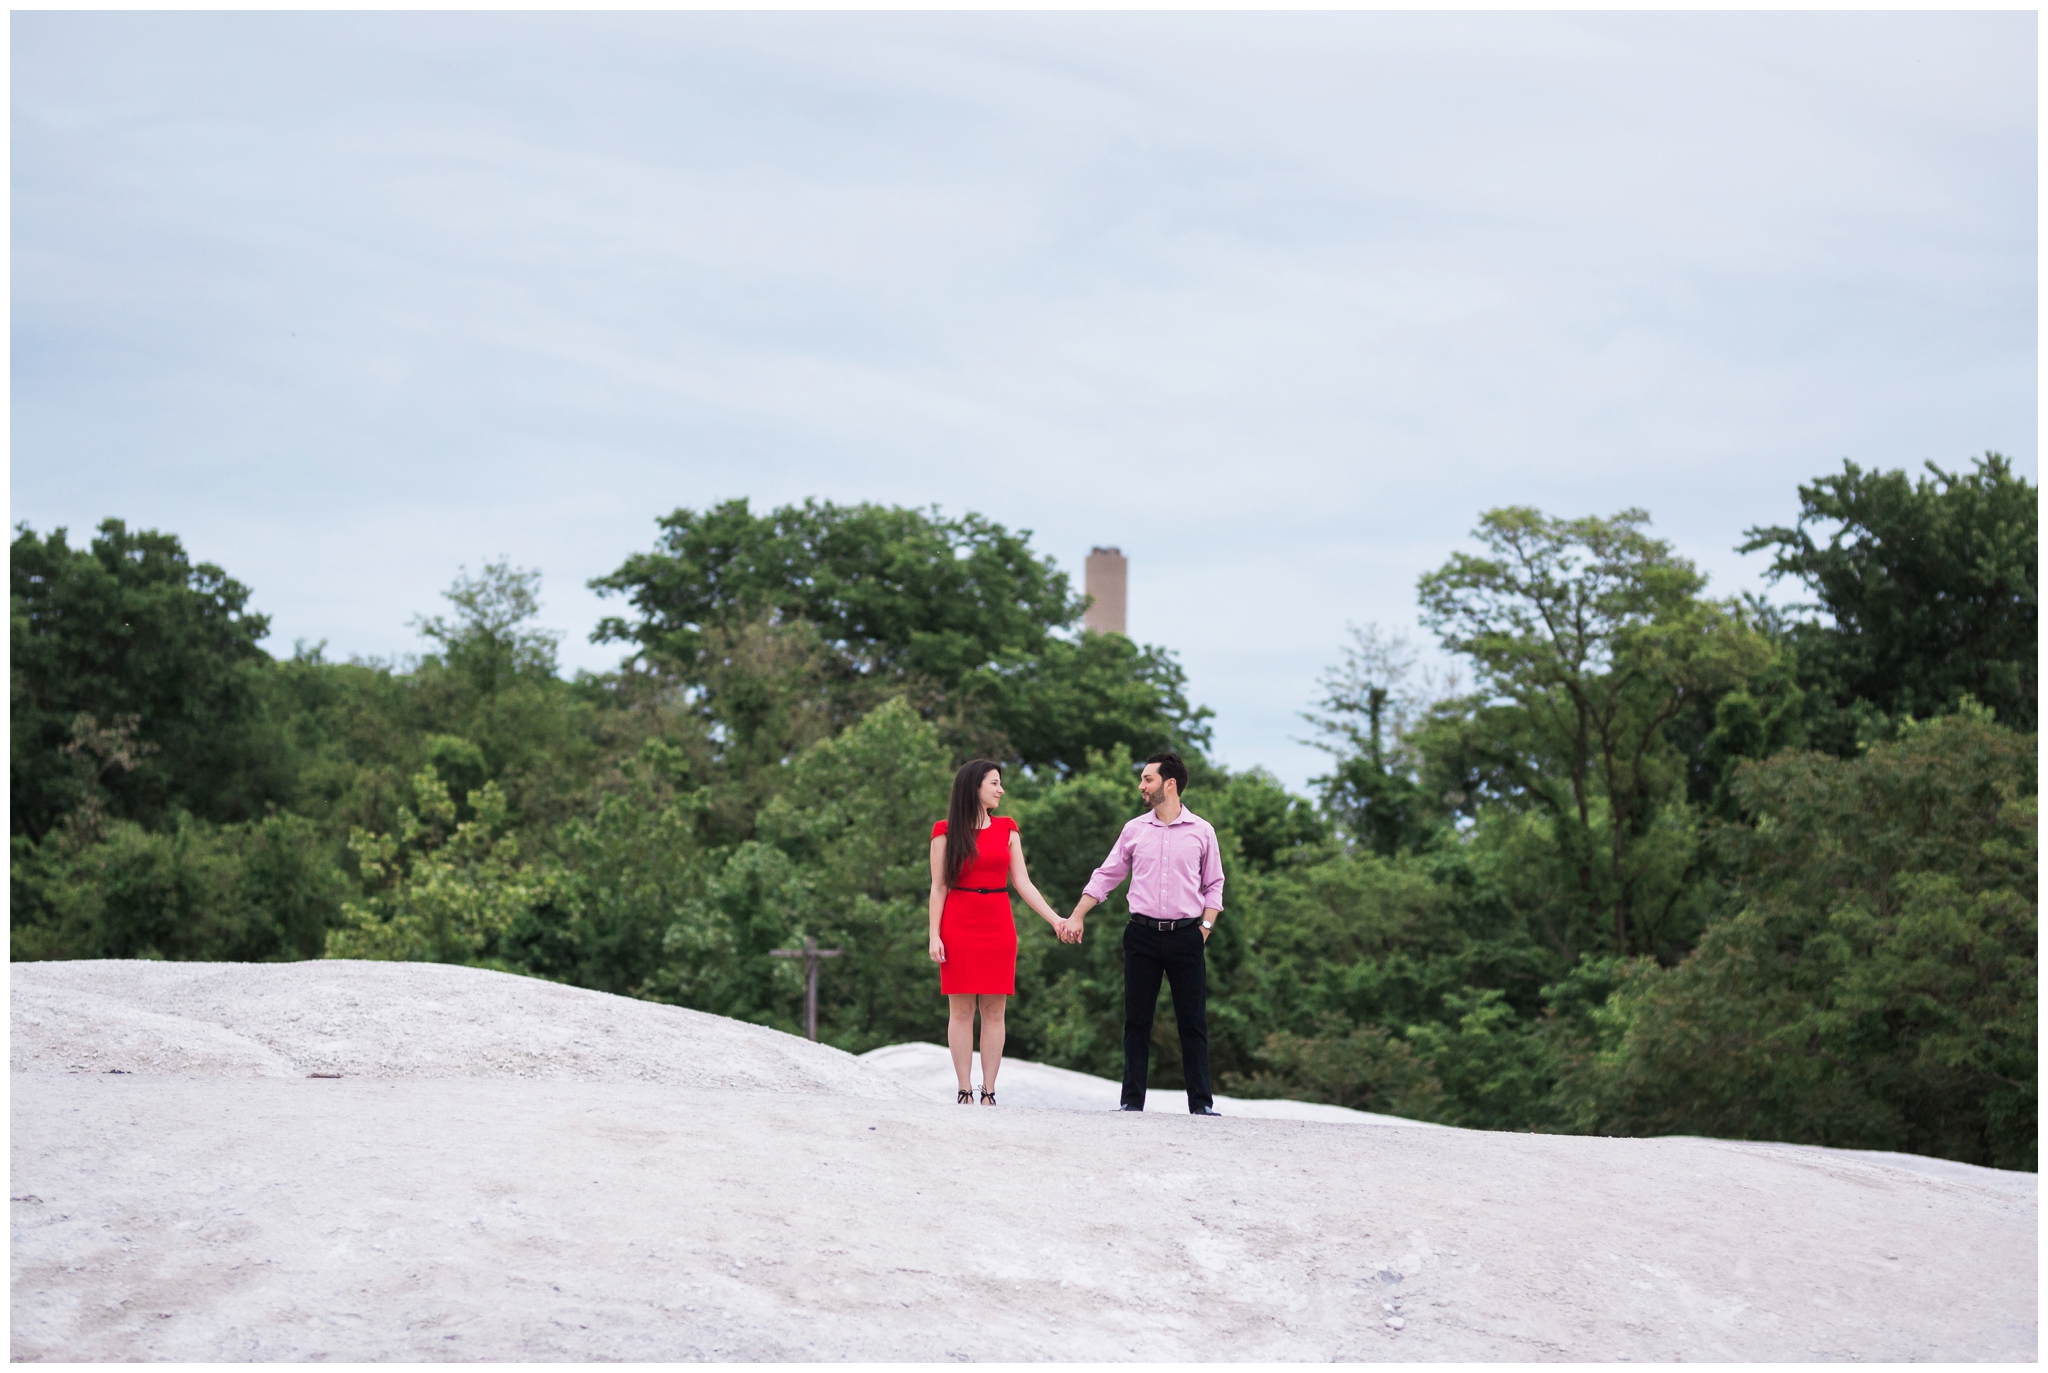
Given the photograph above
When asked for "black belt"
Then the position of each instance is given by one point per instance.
(984, 891)
(1164, 925)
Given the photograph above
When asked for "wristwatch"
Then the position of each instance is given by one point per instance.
(1208, 924)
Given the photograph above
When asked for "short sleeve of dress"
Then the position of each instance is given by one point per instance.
(938, 829)
(1012, 824)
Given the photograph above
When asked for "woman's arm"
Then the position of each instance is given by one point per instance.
(938, 904)
(1020, 878)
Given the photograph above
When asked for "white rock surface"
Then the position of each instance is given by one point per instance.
(1040, 1086)
(512, 1170)
(383, 1020)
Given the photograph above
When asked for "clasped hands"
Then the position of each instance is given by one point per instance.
(1069, 930)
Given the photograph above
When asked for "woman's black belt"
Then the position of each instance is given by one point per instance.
(983, 891)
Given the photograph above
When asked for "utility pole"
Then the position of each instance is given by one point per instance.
(810, 953)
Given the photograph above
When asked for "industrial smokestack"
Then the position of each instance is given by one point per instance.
(1104, 580)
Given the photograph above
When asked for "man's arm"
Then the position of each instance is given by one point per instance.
(1212, 879)
(1114, 870)
(1212, 884)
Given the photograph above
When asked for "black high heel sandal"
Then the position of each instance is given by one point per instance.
(966, 1097)
(988, 1098)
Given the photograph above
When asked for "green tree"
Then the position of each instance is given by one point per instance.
(1932, 588)
(441, 889)
(486, 703)
(626, 870)
(1594, 636)
(1261, 822)
(1410, 971)
(1070, 699)
(1877, 987)
(857, 815)
(492, 682)
(767, 694)
(842, 856)
(1765, 715)
(1494, 1072)
(255, 891)
(1373, 700)
(489, 640)
(891, 590)
(1362, 1068)
(958, 616)
(131, 628)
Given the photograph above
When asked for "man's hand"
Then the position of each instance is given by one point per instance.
(1072, 933)
(1207, 930)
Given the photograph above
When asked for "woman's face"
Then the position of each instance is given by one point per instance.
(991, 793)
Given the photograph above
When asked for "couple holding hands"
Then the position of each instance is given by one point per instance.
(1169, 854)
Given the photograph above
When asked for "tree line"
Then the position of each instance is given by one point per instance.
(1648, 861)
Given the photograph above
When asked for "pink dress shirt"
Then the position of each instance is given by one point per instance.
(1174, 869)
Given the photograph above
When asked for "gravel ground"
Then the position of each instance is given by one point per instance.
(512, 1170)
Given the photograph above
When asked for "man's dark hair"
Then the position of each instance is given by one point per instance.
(1172, 769)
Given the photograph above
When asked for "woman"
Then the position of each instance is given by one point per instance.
(974, 940)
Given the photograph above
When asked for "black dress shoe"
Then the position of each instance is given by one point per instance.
(1206, 1111)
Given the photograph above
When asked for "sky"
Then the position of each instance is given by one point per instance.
(1276, 303)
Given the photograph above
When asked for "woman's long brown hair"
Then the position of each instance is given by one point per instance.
(963, 818)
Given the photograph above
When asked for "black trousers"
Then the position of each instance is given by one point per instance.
(1178, 956)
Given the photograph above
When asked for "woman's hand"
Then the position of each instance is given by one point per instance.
(938, 950)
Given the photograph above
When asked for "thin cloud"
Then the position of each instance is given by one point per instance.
(1277, 303)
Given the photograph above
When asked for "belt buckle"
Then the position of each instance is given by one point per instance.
(1165, 926)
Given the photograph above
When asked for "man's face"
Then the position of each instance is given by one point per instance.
(1152, 786)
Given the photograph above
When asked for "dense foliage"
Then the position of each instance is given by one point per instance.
(135, 679)
(1875, 979)
(1648, 862)
(1931, 588)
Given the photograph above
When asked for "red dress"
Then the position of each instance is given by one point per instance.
(977, 929)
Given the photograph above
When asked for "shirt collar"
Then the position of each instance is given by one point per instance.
(1152, 817)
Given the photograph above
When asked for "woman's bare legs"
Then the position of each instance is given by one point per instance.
(992, 1007)
(960, 1036)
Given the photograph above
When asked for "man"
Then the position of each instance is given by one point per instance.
(1169, 853)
